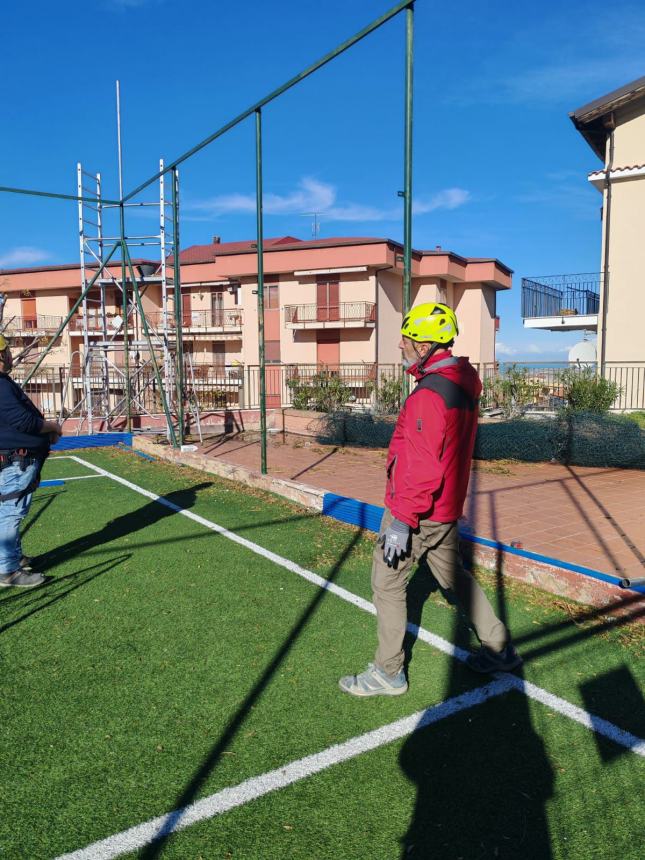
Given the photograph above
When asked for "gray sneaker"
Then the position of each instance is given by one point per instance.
(26, 562)
(486, 660)
(21, 579)
(374, 682)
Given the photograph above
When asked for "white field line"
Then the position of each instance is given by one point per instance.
(77, 478)
(229, 798)
(556, 703)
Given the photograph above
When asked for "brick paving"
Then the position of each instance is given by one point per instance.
(589, 516)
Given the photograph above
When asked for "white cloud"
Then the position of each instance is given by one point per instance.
(504, 349)
(312, 195)
(23, 255)
(449, 198)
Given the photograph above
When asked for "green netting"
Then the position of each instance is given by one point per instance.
(577, 438)
(592, 439)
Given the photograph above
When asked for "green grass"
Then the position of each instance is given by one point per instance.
(164, 662)
(638, 417)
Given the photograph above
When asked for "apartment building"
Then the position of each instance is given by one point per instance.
(327, 301)
(614, 127)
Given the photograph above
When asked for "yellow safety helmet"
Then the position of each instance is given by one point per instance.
(430, 321)
(4, 343)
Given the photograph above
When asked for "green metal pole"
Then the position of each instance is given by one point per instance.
(146, 330)
(387, 16)
(178, 309)
(73, 310)
(54, 196)
(407, 162)
(260, 241)
(124, 305)
(407, 170)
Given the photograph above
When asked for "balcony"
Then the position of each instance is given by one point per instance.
(226, 321)
(93, 323)
(36, 326)
(558, 302)
(343, 315)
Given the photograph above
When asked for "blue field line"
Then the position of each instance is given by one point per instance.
(95, 440)
(368, 516)
(53, 483)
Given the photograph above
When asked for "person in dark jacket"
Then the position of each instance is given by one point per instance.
(25, 438)
(428, 467)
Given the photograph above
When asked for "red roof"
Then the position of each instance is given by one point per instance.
(208, 253)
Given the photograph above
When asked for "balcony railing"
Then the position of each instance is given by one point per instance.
(38, 324)
(561, 296)
(94, 323)
(344, 314)
(224, 320)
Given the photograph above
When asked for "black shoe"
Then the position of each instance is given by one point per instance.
(21, 579)
(486, 660)
(26, 562)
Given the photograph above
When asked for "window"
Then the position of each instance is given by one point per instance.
(271, 297)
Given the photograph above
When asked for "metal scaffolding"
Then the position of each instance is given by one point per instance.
(111, 387)
(152, 374)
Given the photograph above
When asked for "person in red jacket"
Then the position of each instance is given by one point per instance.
(428, 467)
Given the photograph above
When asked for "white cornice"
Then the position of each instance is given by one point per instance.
(597, 178)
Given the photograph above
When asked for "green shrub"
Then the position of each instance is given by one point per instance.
(511, 391)
(387, 395)
(585, 391)
(323, 392)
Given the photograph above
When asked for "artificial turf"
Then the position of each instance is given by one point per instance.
(162, 663)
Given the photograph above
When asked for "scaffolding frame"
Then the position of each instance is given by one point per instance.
(95, 260)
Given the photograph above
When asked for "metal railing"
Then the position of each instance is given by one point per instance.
(527, 386)
(226, 319)
(94, 324)
(32, 325)
(561, 295)
(342, 313)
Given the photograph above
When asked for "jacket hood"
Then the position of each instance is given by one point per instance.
(461, 372)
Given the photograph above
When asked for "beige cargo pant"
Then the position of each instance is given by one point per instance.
(389, 584)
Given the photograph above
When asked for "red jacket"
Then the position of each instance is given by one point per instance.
(428, 462)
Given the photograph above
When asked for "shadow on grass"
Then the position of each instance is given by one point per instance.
(124, 526)
(28, 603)
(482, 777)
(204, 771)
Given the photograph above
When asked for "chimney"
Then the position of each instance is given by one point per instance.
(217, 240)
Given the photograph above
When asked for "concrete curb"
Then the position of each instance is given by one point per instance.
(310, 497)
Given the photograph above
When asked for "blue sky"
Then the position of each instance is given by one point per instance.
(499, 169)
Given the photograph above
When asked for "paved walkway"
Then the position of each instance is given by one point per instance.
(589, 516)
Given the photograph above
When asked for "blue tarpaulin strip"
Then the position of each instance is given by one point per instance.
(51, 484)
(95, 440)
(368, 516)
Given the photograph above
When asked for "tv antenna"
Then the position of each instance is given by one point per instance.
(315, 223)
